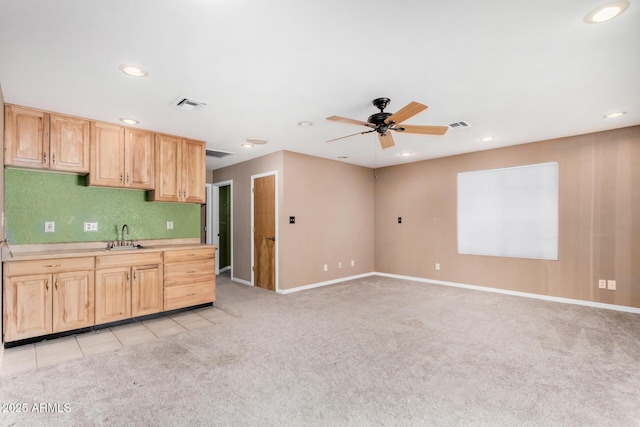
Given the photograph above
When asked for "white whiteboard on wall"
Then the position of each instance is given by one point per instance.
(510, 212)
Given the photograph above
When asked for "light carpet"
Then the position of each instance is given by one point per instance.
(373, 351)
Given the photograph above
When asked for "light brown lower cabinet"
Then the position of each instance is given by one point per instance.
(48, 301)
(189, 278)
(47, 296)
(128, 285)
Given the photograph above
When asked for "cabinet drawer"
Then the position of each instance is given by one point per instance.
(188, 295)
(56, 265)
(128, 259)
(189, 272)
(189, 254)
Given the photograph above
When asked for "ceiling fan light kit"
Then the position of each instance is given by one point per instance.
(383, 122)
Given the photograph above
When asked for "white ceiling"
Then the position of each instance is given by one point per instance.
(518, 71)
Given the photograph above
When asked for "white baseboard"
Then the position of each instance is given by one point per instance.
(516, 293)
(243, 282)
(328, 282)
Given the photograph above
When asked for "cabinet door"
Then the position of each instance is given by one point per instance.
(73, 298)
(113, 294)
(146, 290)
(107, 155)
(139, 159)
(26, 137)
(27, 306)
(194, 171)
(69, 144)
(168, 169)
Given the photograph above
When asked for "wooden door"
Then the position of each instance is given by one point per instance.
(168, 169)
(27, 306)
(26, 137)
(194, 171)
(146, 290)
(73, 299)
(264, 236)
(69, 144)
(139, 159)
(107, 155)
(113, 294)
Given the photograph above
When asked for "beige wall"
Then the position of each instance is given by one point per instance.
(2, 236)
(241, 174)
(599, 219)
(333, 205)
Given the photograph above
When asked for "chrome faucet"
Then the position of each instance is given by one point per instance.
(122, 240)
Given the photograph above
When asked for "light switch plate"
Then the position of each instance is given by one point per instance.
(611, 285)
(49, 226)
(169, 225)
(602, 284)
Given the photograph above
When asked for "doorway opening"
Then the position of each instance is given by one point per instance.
(220, 224)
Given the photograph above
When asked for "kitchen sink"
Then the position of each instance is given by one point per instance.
(125, 248)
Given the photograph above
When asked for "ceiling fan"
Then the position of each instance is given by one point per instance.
(384, 122)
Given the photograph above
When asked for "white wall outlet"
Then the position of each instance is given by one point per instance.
(340, 265)
(326, 267)
(602, 284)
(49, 226)
(611, 285)
(90, 226)
(437, 266)
(353, 263)
(169, 225)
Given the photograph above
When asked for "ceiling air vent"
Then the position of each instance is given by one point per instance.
(188, 104)
(218, 154)
(459, 125)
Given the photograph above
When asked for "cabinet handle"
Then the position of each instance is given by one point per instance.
(127, 275)
(190, 272)
(190, 295)
(121, 177)
(44, 157)
(51, 265)
(53, 158)
(46, 284)
(134, 274)
(190, 255)
(56, 285)
(127, 177)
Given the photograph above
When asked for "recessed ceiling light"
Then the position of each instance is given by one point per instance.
(305, 124)
(134, 71)
(487, 139)
(129, 121)
(406, 154)
(606, 12)
(247, 145)
(616, 114)
(257, 141)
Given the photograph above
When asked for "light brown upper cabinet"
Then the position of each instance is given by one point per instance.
(180, 170)
(41, 140)
(121, 157)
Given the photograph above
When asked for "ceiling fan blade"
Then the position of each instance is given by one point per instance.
(350, 121)
(353, 134)
(386, 140)
(408, 111)
(425, 130)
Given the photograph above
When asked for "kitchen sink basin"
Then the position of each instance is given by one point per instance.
(125, 248)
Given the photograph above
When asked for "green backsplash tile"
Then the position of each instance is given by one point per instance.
(33, 197)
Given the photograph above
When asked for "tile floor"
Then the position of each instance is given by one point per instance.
(45, 353)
